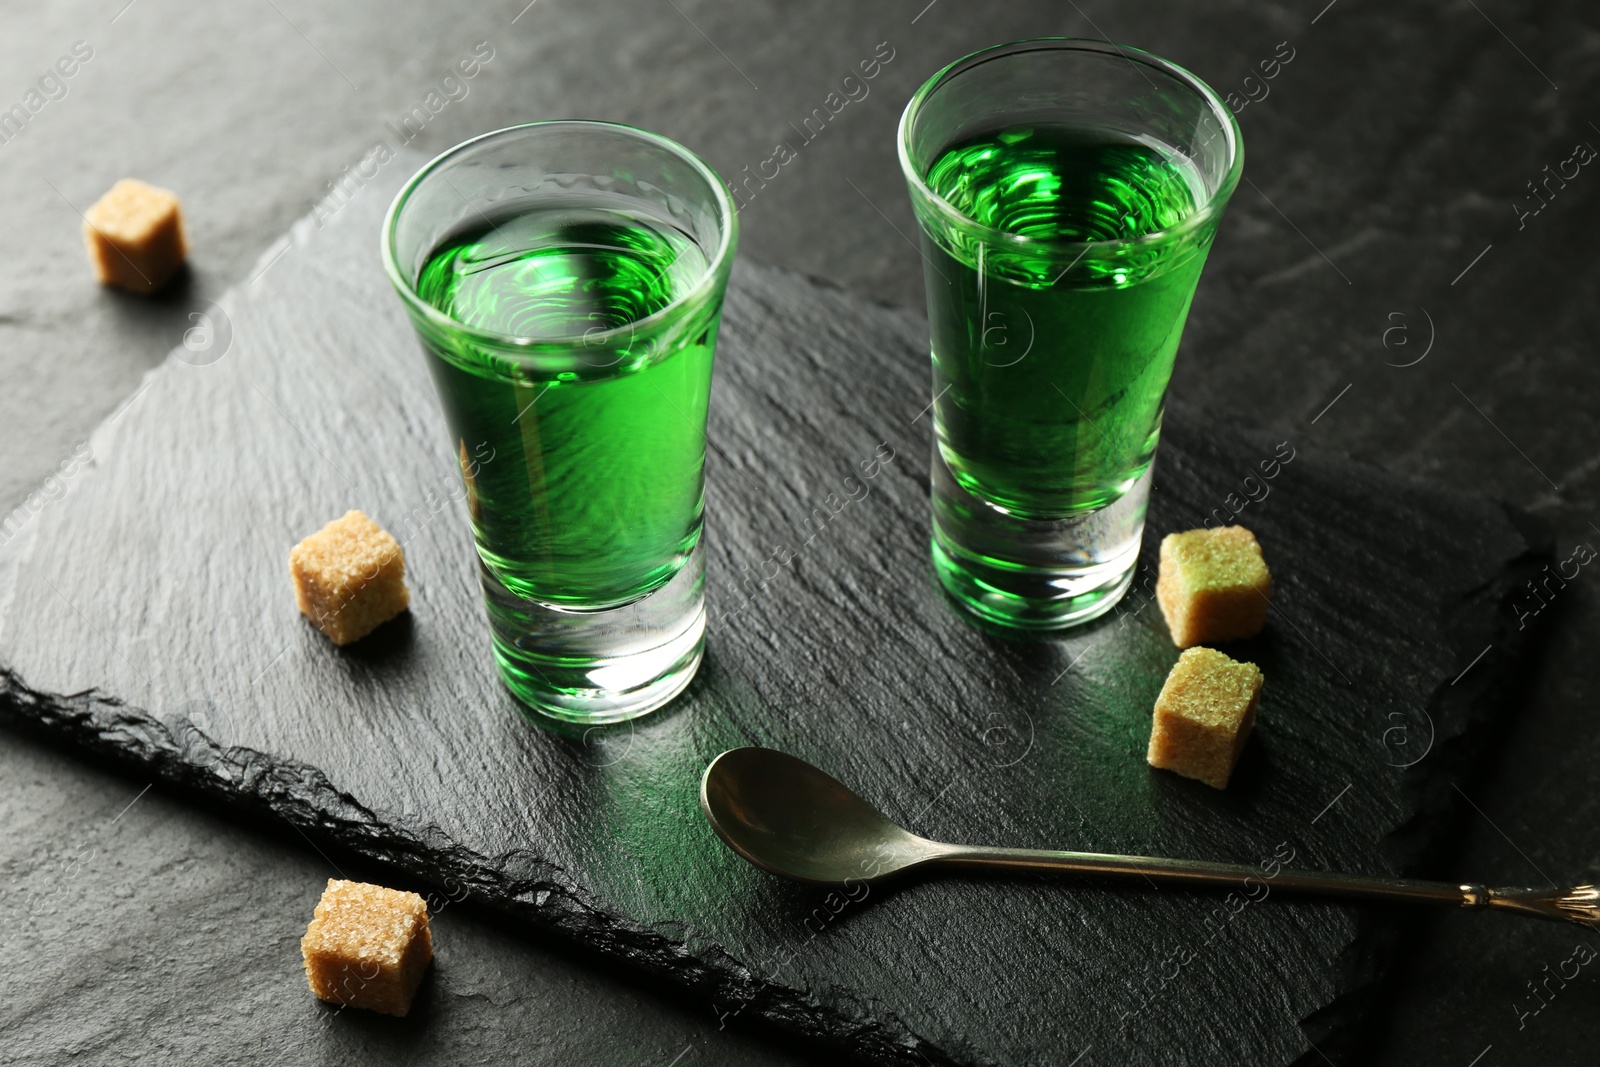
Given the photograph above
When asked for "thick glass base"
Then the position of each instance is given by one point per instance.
(606, 665)
(1030, 574)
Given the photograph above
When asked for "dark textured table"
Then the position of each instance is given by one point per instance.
(1314, 323)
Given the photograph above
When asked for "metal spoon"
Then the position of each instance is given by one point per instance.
(789, 818)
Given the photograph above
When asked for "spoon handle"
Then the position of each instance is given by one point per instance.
(1579, 904)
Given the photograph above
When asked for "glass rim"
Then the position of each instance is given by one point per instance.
(727, 217)
(1208, 211)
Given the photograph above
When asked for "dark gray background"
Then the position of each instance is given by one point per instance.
(121, 920)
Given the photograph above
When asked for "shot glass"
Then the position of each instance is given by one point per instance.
(566, 282)
(1066, 192)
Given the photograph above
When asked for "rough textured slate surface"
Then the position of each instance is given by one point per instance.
(148, 616)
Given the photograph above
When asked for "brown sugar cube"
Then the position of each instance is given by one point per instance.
(1203, 716)
(367, 946)
(349, 577)
(1214, 585)
(135, 236)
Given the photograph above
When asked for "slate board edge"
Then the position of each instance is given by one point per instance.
(1480, 704)
(257, 786)
(1366, 959)
(301, 795)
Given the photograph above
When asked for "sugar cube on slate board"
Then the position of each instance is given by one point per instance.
(147, 617)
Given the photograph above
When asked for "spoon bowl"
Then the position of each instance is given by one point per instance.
(789, 818)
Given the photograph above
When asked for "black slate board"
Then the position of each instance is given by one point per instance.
(147, 617)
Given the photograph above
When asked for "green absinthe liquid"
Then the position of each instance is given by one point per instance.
(584, 483)
(1050, 374)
